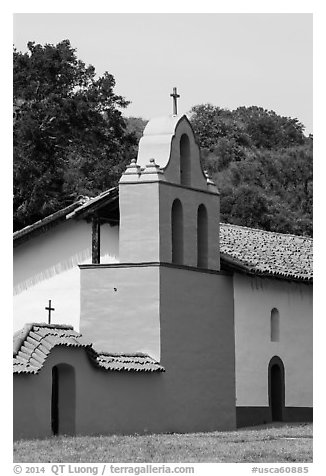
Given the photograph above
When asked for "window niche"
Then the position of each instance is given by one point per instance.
(275, 325)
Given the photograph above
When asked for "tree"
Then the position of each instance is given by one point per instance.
(211, 123)
(246, 126)
(136, 125)
(69, 134)
(269, 190)
(269, 130)
(262, 164)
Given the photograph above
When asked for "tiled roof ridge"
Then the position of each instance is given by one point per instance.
(310, 238)
(123, 354)
(24, 332)
(34, 342)
(21, 335)
(31, 346)
(52, 326)
(129, 362)
(248, 268)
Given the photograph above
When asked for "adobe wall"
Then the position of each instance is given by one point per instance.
(182, 317)
(197, 349)
(254, 298)
(106, 402)
(31, 406)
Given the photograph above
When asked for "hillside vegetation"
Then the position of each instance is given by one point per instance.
(262, 164)
(71, 139)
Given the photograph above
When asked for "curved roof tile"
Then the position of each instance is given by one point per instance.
(267, 253)
(34, 342)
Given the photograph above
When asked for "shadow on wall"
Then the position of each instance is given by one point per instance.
(60, 249)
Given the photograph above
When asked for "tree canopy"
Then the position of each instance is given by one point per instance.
(262, 164)
(246, 126)
(70, 137)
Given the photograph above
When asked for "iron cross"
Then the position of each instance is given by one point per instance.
(49, 309)
(175, 97)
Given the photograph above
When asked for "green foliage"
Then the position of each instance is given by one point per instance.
(246, 126)
(268, 130)
(136, 125)
(212, 123)
(69, 134)
(262, 164)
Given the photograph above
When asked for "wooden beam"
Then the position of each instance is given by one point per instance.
(96, 240)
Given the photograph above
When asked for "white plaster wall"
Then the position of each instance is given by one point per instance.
(120, 308)
(139, 222)
(46, 267)
(254, 298)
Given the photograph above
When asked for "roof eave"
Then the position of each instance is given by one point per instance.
(79, 209)
(94, 204)
(40, 226)
(229, 263)
(26, 365)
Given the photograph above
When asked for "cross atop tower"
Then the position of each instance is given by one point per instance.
(175, 97)
(49, 309)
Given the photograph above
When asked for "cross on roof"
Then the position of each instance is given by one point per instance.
(175, 97)
(49, 309)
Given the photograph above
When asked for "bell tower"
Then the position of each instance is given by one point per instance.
(169, 207)
(167, 297)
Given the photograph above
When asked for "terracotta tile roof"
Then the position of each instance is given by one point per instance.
(34, 342)
(266, 253)
(128, 362)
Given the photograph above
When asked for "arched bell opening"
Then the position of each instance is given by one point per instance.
(177, 232)
(185, 162)
(202, 237)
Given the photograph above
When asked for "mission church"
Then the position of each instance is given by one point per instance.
(137, 311)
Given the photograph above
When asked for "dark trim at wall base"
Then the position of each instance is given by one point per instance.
(297, 414)
(249, 416)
